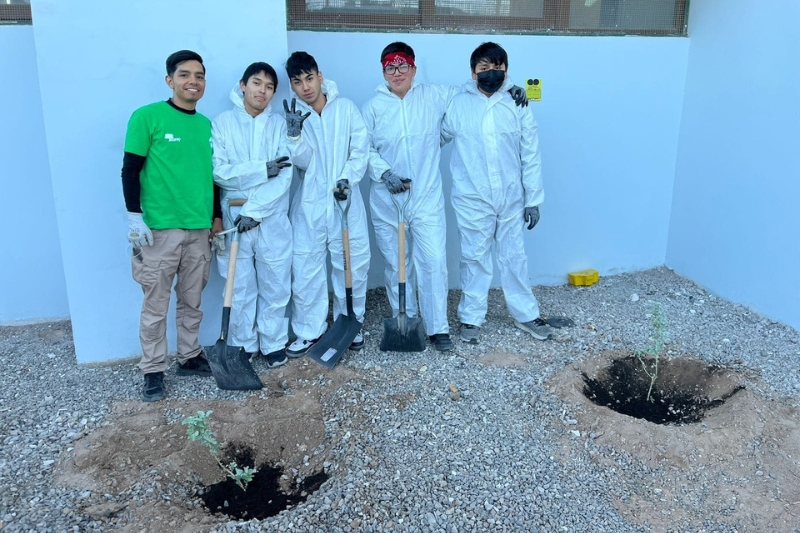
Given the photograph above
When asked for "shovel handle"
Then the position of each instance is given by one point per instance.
(401, 251)
(237, 202)
(231, 271)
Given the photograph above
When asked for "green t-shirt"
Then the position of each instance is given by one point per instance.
(177, 179)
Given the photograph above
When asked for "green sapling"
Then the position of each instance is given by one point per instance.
(654, 350)
(198, 430)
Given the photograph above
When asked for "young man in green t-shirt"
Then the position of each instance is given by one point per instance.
(169, 193)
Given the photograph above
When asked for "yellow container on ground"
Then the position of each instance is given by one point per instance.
(584, 277)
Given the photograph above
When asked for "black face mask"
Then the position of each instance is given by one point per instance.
(491, 80)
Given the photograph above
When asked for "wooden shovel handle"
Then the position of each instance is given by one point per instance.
(401, 239)
(231, 272)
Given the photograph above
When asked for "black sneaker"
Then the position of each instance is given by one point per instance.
(153, 389)
(441, 342)
(276, 359)
(196, 366)
(469, 333)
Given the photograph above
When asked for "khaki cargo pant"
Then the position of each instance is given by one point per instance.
(186, 253)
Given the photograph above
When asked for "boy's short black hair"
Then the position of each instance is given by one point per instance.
(397, 47)
(491, 53)
(300, 62)
(179, 57)
(257, 68)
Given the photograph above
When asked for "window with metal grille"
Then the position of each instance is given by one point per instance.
(597, 17)
(15, 12)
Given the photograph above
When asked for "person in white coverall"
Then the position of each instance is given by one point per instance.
(497, 189)
(251, 162)
(328, 143)
(404, 125)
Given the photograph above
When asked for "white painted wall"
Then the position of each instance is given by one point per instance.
(32, 283)
(98, 61)
(608, 126)
(734, 217)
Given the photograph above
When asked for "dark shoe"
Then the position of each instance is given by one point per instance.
(441, 342)
(153, 389)
(358, 342)
(469, 333)
(196, 366)
(276, 359)
(538, 328)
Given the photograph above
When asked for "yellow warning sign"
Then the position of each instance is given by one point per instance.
(533, 89)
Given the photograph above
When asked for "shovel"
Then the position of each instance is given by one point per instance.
(229, 364)
(402, 334)
(330, 348)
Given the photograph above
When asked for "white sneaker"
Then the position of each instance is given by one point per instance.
(358, 342)
(299, 347)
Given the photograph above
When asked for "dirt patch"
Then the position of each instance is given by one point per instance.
(682, 393)
(503, 359)
(740, 465)
(142, 456)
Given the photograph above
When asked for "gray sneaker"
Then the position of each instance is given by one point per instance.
(538, 328)
(469, 333)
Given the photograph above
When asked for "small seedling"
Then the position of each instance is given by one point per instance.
(198, 430)
(654, 350)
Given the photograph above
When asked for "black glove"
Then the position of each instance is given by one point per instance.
(343, 187)
(519, 95)
(394, 183)
(294, 119)
(532, 216)
(245, 223)
(274, 167)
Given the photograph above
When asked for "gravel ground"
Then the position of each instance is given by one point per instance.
(407, 453)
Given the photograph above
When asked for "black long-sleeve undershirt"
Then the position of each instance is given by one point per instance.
(132, 165)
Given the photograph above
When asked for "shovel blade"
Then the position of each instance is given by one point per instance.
(403, 334)
(332, 346)
(231, 367)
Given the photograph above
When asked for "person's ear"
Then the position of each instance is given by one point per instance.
(168, 79)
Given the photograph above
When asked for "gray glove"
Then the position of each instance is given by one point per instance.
(519, 95)
(218, 244)
(532, 216)
(344, 190)
(394, 183)
(245, 223)
(294, 118)
(275, 166)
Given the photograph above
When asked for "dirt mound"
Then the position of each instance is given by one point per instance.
(143, 452)
(741, 464)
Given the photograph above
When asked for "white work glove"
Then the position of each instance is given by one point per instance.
(218, 243)
(139, 234)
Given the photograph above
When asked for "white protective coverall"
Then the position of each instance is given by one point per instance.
(242, 147)
(332, 146)
(405, 136)
(496, 168)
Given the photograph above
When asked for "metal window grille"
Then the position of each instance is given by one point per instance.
(15, 12)
(614, 17)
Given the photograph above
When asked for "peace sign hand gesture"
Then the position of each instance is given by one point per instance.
(294, 118)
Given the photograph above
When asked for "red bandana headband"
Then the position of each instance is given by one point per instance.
(397, 58)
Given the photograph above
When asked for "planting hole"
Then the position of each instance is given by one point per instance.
(682, 394)
(265, 495)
